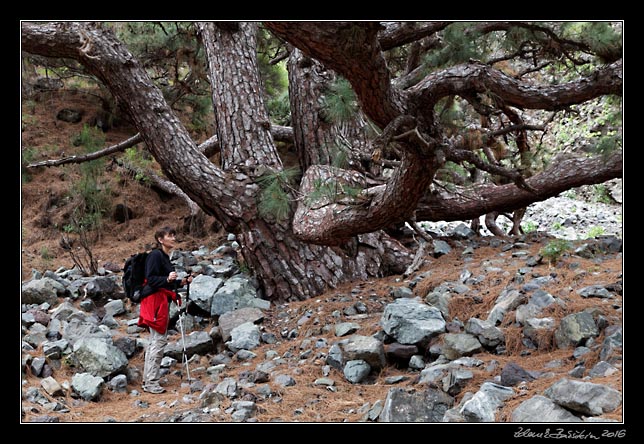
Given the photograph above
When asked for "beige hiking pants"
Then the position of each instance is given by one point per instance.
(153, 357)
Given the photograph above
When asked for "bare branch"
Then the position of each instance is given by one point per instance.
(459, 155)
(534, 69)
(91, 156)
(283, 55)
(418, 260)
(513, 128)
(419, 231)
(208, 147)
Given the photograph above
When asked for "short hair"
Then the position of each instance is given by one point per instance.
(162, 232)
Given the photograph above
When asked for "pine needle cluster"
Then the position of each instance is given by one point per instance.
(340, 103)
(460, 44)
(331, 190)
(274, 201)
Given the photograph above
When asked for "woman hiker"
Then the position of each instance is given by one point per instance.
(155, 308)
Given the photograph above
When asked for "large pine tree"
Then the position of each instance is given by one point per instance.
(426, 101)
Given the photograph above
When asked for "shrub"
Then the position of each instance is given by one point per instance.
(529, 227)
(595, 231)
(555, 249)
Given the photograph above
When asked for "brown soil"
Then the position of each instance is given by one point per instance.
(44, 212)
(45, 202)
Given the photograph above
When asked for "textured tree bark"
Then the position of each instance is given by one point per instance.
(334, 221)
(480, 78)
(312, 135)
(490, 223)
(241, 120)
(318, 139)
(352, 50)
(288, 268)
(292, 270)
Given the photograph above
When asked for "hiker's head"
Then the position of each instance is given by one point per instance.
(163, 234)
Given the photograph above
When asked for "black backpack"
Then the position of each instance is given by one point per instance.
(134, 277)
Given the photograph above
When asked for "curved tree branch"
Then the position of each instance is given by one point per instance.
(333, 220)
(397, 34)
(458, 155)
(476, 77)
(564, 174)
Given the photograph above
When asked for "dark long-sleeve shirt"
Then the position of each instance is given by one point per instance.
(157, 269)
(154, 310)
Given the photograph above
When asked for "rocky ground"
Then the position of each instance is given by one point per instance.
(310, 320)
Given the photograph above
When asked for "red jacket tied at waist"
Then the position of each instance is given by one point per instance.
(155, 308)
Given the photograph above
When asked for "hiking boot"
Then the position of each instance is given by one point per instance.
(153, 388)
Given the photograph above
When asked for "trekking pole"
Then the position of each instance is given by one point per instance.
(183, 339)
(182, 312)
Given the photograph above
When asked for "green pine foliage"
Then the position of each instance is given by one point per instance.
(331, 190)
(606, 144)
(322, 189)
(201, 107)
(603, 38)
(139, 163)
(274, 201)
(274, 77)
(450, 169)
(153, 40)
(460, 44)
(450, 114)
(279, 109)
(27, 156)
(94, 195)
(517, 38)
(340, 104)
(555, 249)
(172, 55)
(339, 157)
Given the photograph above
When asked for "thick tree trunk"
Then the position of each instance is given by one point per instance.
(292, 270)
(288, 268)
(241, 120)
(312, 135)
(320, 140)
